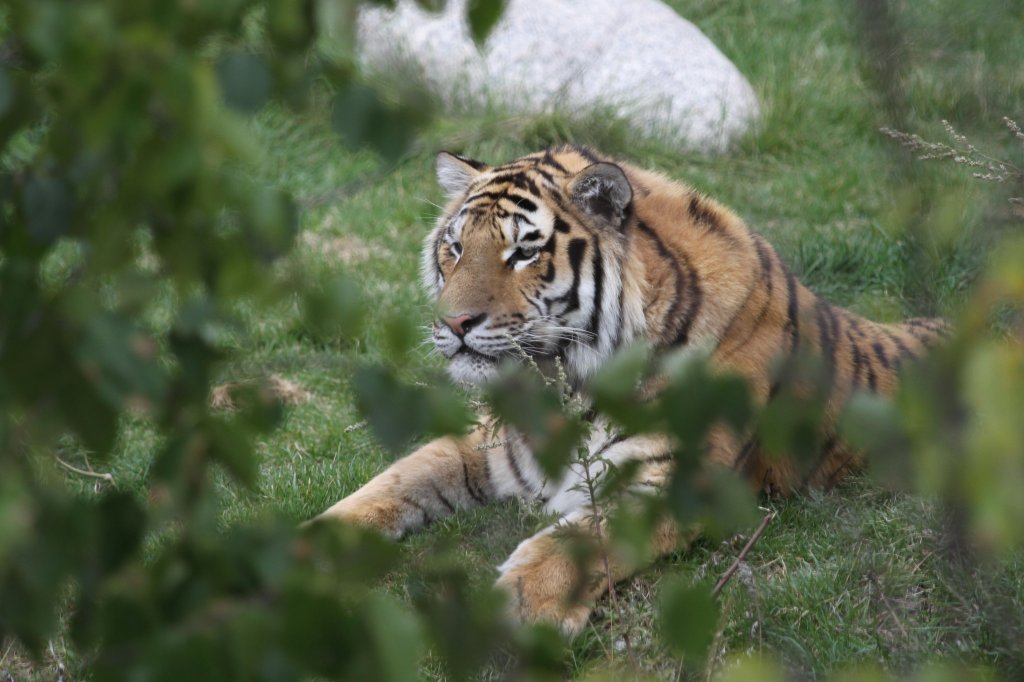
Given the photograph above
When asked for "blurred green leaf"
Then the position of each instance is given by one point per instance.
(337, 309)
(228, 443)
(432, 5)
(688, 618)
(6, 91)
(728, 502)
(48, 205)
(524, 401)
(291, 24)
(122, 362)
(483, 16)
(616, 387)
(695, 400)
(361, 118)
(396, 638)
(397, 412)
(245, 81)
(871, 424)
(121, 524)
(401, 334)
(465, 623)
(753, 669)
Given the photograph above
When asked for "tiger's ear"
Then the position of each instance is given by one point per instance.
(602, 191)
(455, 173)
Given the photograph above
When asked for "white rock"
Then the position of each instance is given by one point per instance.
(636, 58)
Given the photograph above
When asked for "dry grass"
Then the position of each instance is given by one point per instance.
(224, 396)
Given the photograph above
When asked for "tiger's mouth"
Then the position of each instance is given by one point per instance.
(466, 350)
(472, 367)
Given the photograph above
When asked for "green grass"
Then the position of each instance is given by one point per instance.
(839, 580)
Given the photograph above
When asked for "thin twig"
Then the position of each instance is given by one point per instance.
(596, 519)
(743, 554)
(109, 478)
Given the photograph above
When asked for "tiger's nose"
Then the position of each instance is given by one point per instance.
(462, 324)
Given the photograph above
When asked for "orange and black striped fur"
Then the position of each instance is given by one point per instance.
(567, 254)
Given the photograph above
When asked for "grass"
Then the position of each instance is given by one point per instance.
(849, 578)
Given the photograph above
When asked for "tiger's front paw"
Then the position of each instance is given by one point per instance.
(541, 581)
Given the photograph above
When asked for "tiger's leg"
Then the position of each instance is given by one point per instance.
(546, 582)
(434, 481)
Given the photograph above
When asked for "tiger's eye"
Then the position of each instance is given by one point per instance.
(523, 253)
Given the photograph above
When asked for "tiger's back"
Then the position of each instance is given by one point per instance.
(759, 316)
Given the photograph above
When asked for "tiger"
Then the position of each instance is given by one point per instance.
(571, 255)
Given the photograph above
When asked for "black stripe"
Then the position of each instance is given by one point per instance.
(585, 153)
(825, 319)
(544, 174)
(531, 235)
(559, 200)
(858, 360)
(881, 354)
(595, 315)
(518, 165)
(743, 459)
(524, 182)
(855, 325)
(514, 466)
(485, 194)
(923, 334)
(621, 319)
(530, 300)
(427, 518)
(900, 346)
(520, 218)
(765, 260)
(510, 177)
(614, 440)
(475, 494)
(830, 443)
(792, 310)
(523, 202)
(866, 354)
(440, 496)
(694, 298)
(764, 256)
(928, 323)
(473, 163)
(701, 214)
(672, 261)
(561, 225)
(550, 161)
(663, 457)
(572, 297)
(437, 250)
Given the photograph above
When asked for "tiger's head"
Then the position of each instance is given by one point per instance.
(527, 258)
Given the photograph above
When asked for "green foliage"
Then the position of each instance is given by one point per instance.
(483, 15)
(538, 409)
(689, 614)
(397, 411)
(126, 197)
(142, 248)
